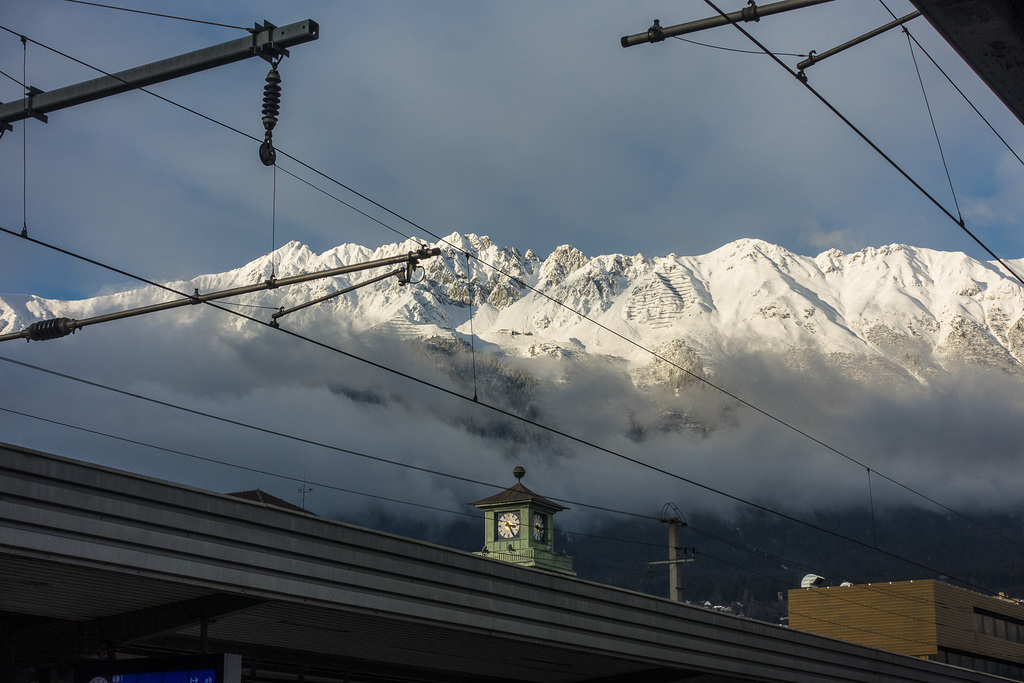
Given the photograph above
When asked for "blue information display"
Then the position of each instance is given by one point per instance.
(200, 669)
(191, 676)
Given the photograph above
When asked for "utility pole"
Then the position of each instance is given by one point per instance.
(268, 41)
(671, 515)
(304, 490)
(675, 589)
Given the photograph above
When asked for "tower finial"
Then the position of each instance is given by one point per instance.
(519, 472)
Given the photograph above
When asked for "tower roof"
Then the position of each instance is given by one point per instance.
(518, 493)
(258, 496)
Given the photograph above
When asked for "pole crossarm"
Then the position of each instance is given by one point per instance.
(54, 328)
(264, 41)
(285, 311)
(752, 12)
(815, 58)
(689, 558)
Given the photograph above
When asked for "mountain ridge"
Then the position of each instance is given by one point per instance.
(910, 313)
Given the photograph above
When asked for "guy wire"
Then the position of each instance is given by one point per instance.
(273, 227)
(871, 502)
(878, 150)
(24, 140)
(935, 130)
(472, 334)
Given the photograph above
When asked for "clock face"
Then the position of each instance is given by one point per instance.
(538, 527)
(508, 525)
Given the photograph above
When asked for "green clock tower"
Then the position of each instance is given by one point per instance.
(518, 528)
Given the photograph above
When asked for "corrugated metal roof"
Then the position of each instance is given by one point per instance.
(94, 561)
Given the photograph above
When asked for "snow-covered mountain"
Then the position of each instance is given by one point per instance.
(895, 313)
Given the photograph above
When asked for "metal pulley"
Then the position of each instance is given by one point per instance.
(271, 108)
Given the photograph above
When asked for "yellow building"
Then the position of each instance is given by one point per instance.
(928, 619)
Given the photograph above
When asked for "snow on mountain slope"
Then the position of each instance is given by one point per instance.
(896, 312)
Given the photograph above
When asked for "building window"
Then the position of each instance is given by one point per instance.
(995, 667)
(999, 626)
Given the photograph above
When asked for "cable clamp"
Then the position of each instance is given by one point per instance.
(749, 13)
(654, 33)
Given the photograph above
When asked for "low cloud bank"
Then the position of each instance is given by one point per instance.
(955, 440)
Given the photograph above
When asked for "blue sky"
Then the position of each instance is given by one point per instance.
(525, 121)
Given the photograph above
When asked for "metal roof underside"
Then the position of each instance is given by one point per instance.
(989, 36)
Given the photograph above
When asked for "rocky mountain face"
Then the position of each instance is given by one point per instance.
(888, 314)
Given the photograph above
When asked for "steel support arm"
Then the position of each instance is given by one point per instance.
(271, 40)
(55, 328)
(815, 58)
(752, 12)
(285, 311)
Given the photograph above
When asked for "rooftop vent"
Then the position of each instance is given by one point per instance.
(811, 581)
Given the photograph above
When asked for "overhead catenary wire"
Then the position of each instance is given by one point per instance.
(570, 532)
(246, 468)
(279, 434)
(768, 52)
(733, 49)
(472, 334)
(833, 595)
(493, 408)
(60, 327)
(335, 181)
(638, 345)
(956, 219)
(509, 414)
(966, 98)
(935, 128)
(562, 304)
(134, 86)
(956, 87)
(7, 75)
(24, 141)
(565, 531)
(158, 14)
(654, 354)
(481, 261)
(273, 228)
(704, 380)
(740, 546)
(322, 484)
